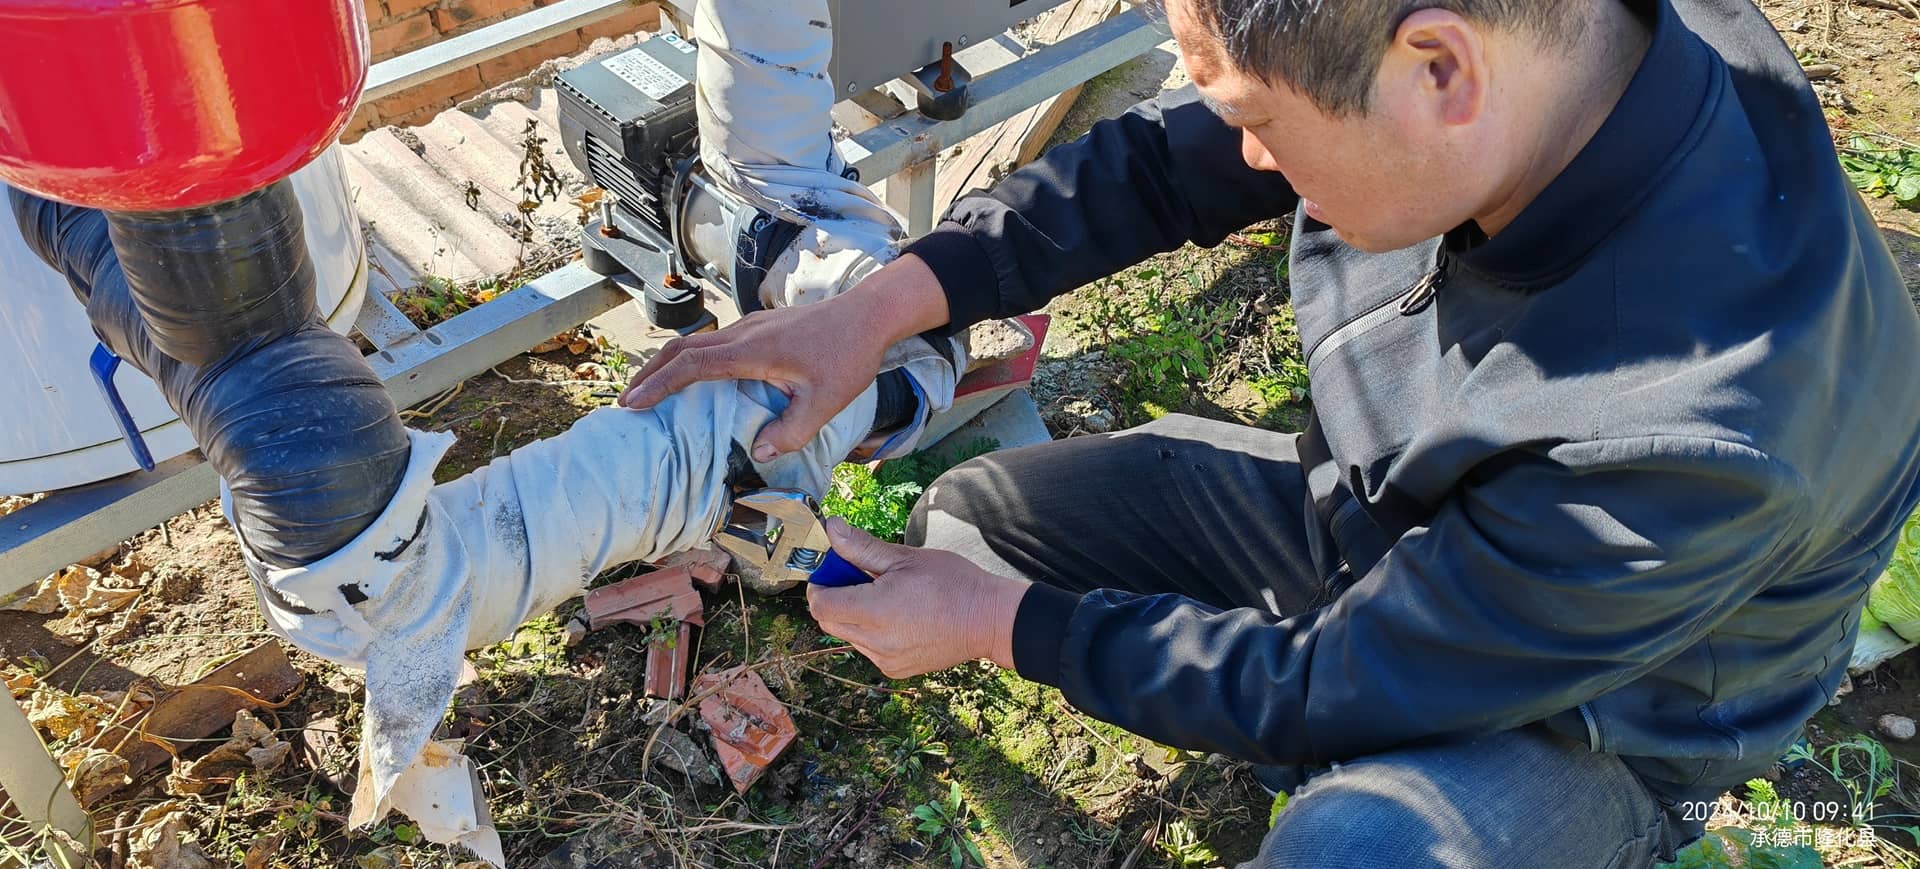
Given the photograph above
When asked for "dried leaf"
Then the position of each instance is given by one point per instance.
(556, 342)
(262, 851)
(79, 591)
(20, 683)
(163, 839)
(61, 715)
(45, 600)
(94, 773)
(252, 746)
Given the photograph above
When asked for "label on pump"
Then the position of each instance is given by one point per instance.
(641, 70)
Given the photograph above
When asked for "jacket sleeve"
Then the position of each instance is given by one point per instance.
(1165, 173)
(1527, 595)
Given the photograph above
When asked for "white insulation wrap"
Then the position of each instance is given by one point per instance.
(763, 99)
(462, 564)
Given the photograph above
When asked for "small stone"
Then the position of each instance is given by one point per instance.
(576, 631)
(656, 711)
(1141, 768)
(756, 580)
(175, 583)
(1086, 416)
(1898, 728)
(678, 753)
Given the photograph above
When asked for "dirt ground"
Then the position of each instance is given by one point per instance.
(562, 734)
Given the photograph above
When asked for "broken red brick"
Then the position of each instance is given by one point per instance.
(708, 566)
(667, 661)
(667, 592)
(1013, 373)
(750, 727)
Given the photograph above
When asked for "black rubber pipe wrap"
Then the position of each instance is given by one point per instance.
(286, 410)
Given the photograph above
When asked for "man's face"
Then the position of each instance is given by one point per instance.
(1383, 180)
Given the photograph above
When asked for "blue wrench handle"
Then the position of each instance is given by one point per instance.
(837, 572)
(103, 363)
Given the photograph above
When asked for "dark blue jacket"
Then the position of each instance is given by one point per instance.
(1629, 473)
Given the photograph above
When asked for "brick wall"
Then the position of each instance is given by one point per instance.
(399, 26)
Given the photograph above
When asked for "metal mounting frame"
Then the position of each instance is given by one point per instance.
(415, 364)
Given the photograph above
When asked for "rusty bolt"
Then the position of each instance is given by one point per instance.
(945, 82)
(607, 227)
(673, 281)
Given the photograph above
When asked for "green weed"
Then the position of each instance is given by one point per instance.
(1733, 848)
(946, 820)
(538, 648)
(1881, 170)
(906, 752)
(881, 503)
(867, 504)
(1863, 768)
(1287, 385)
(1166, 344)
(1183, 846)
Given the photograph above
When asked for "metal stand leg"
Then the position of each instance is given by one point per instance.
(673, 21)
(910, 192)
(34, 783)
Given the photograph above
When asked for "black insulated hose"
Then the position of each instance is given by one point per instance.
(286, 411)
(206, 280)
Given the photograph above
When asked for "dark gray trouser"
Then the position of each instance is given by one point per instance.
(1230, 527)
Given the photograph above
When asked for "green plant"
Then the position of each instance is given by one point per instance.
(1093, 832)
(880, 503)
(1733, 848)
(1881, 170)
(619, 364)
(868, 504)
(946, 819)
(1184, 847)
(538, 648)
(1166, 343)
(1861, 766)
(905, 752)
(925, 466)
(663, 629)
(435, 299)
(1895, 598)
(1287, 385)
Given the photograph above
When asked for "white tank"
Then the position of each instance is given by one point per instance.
(59, 431)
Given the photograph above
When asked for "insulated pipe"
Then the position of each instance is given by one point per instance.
(763, 98)
(208, 279)
(288, 413)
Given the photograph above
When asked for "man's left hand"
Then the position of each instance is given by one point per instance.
(925, 610)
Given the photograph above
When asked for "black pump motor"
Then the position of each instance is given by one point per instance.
(628, 122)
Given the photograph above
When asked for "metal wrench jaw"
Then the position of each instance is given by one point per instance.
(785, 540)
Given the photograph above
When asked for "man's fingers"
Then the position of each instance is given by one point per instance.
(629, 396)
(686, 367)
(863, 550)
(666, 356)
(841, 606)
(803, 418)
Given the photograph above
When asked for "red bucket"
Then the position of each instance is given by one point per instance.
(152, 105)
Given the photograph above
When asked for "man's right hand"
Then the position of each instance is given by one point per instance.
(821, 355)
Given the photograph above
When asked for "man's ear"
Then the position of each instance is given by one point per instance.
(1438, 64)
